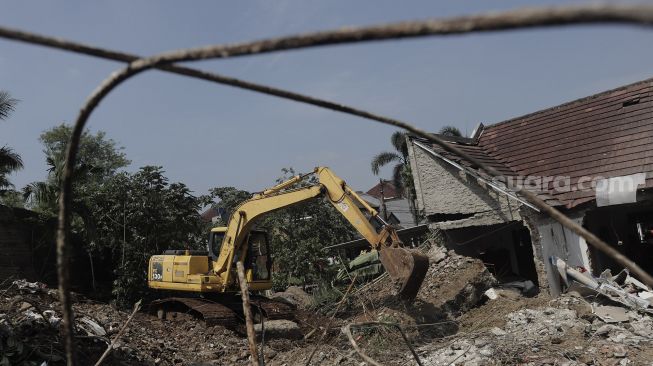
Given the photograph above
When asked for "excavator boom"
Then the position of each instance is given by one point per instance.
(406, 267)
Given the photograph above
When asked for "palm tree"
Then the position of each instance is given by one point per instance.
(450, 131)
(45, 194)
(7, 104)
(10, 161)
(402, 177)
(399, 157)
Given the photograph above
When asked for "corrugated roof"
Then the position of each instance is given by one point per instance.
(397, 206)
(608, 134)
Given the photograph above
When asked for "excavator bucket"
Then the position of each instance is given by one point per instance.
(407, 268)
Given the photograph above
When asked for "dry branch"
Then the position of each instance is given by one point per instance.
(524, 18)
(249, 323)
(137, 306)
(328, 325)
(347, 330)
(381, 324)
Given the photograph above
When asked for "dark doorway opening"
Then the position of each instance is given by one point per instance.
(506, 249)
(628, 228)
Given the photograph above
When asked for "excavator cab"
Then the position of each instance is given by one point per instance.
(257, 263)
(216, 236)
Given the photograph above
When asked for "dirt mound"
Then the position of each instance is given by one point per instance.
(453, 285)
(456, 283)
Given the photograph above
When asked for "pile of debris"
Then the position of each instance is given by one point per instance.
(30, 324)
(551, 335)
(454, 283)
(622, 288)
(30, 328)
(461, 317)
(615, 329)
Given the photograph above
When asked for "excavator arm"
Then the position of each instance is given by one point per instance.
(406, 267)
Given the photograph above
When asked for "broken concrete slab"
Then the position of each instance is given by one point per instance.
(498, 331)
(295, 296)
(91, 327)
(611, 314)
(491, 294)
(604, 285)
(279, 329)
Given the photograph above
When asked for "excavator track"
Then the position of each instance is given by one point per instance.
(211, 312)
(224, 310)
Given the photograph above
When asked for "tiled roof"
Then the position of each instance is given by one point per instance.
(389, 190)
(609, 134)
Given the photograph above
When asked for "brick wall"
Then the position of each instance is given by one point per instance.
(26, 245)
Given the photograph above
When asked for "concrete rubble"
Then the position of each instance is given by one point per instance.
(294, 295)
(461, 317)
(549, 335)
(621, 288)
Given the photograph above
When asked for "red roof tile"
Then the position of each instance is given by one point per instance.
(605, 135)
(389, 190)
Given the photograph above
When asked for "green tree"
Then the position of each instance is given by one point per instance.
(450, 131)
(7, 104)
(229, 199)
(12, 198)
(299, 235)
(103, 154)
(98, 159)
(139, 215)
(10, 161)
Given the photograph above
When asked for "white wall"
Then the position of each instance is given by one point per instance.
(556, 240)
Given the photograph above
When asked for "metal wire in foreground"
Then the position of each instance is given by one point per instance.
(524, 18)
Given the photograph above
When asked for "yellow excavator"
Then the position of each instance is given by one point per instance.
(210, 277)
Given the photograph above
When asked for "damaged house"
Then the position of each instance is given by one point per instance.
(591, 158)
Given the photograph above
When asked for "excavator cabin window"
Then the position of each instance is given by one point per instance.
(215, 243)
(258, 258)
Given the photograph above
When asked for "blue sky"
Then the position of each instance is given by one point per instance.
(209, 135)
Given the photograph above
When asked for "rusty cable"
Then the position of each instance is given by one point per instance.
(495, 21)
